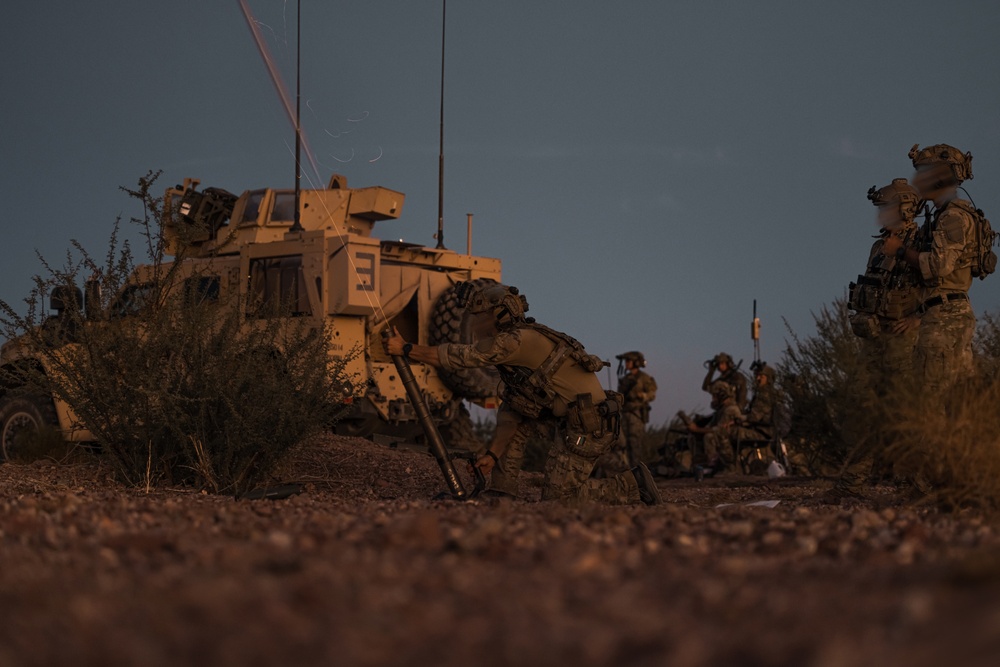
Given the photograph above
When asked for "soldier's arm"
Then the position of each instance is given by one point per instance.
(395, 346)
(706, 383)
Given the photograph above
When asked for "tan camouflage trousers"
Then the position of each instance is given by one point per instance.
(568, 466)
(626, 453)
(889, 357)
(944, 346)
(719, 448)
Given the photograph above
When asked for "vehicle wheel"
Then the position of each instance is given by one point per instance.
(451, 324)
(21, 418)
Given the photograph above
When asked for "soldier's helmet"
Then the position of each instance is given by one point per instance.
(633, 356)
(504, 301)
(723, 357)
(899, 192)
(721, 390)
(766, 371)
(960, 163)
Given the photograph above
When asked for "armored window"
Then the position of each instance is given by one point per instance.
(201, 289)
(278, 286)
(252, 208)
(132, 300)
(284, 207)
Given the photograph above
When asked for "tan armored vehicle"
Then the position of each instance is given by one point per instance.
(330, 268)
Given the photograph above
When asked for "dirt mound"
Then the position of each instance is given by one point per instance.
(363, 568)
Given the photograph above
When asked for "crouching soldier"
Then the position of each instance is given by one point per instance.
(548, 378)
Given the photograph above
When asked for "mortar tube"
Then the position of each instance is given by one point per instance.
(434, 441)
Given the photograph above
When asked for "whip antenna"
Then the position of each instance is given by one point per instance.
(440, 232)
(297, 223)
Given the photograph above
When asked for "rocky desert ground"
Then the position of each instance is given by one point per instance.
(364, 567)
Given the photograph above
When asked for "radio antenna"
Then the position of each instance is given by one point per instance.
(440, 232)
(297, 223)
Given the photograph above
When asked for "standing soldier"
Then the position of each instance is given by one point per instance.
(885, 299)
(729, 374)
(945, 262)
(884, 302)
(549, 379)
(639, 390)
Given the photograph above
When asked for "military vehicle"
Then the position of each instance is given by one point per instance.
(329, 267)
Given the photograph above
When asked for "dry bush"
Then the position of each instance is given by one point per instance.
(177, 387)
(949, 446)
(844, 418)
(830, 400)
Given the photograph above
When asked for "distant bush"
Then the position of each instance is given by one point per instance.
(177, 384)
(947, 447)
(830, 402)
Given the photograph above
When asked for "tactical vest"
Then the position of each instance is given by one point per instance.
(529, 391)
(887, 289)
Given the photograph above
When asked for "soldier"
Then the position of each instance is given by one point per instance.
(639, 390)
(885, 299)
(757, 423)
(947, 322)
(729, 374)
(717, 434)
(548, 378)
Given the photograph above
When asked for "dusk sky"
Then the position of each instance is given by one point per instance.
(644, 169)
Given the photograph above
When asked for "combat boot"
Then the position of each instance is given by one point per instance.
(648, 493)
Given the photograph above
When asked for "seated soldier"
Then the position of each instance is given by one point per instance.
(717, 435)
(756, 426)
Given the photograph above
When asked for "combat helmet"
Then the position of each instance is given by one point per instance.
(960, 163)
(504, 301)
(723, 357)
(633, 356)
(766, 371)
(898, 192)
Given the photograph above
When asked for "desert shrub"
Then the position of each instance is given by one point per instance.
(829, 398)
(986, 346)
(948, 446)
(844, 417)
(174, 380)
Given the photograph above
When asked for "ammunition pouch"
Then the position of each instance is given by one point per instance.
(865, 325)
(872, 296)
(583, 416)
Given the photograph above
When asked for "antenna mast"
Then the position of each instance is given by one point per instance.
(297, 224)
(440, 232)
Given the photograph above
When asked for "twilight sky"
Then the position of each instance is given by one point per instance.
(645, 169)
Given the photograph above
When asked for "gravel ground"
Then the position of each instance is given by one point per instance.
(365, 568)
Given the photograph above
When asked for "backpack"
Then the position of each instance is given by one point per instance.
(984, 259)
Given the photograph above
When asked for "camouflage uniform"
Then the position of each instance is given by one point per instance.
(517, 353)
(722, 427)
(886, 353)
(947, 323)
(732, 376)
(758, 422)
(639, 390)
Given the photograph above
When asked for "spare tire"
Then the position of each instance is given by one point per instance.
(450, 323)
